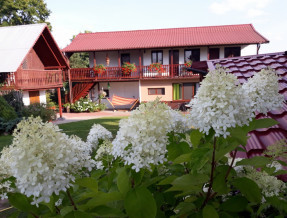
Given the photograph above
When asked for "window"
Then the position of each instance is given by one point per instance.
(156, 57)
(125, 58)
(213, 53)
(231, 52)
(156, 91)
(184, 91)
(192, 55)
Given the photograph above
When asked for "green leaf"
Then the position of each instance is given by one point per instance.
(177, 149)
(249, 189)
(123, 181)
(209, 211)
(168, 180)
(258, 161)
(278, 203)
(66, 210)
(182, 158)
(185, 208)
(239, 134)
(88, 182)
(261, 123)
(234, 204)
(189, 183)
(219, 184)
(20, 202)
(78, 214)
(107, 211)
(139, 203)
(195, 137)
(102, 198)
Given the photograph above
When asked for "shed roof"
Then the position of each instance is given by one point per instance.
(246, 67)
(17, 41)
(162, 38)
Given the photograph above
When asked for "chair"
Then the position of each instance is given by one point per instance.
(118, 102)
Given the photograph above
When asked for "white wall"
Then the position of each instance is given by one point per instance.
(43, 96)
(26, 99)
(146, 54)
(123, 89)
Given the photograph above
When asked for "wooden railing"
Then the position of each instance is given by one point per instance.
(143, 72)
(33, 79)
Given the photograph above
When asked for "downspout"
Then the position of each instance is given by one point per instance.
(258, 47)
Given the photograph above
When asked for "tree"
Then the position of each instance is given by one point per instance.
(19, 12)
(79, 60)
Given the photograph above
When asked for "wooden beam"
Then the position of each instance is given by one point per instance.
(119, 59)
(94, 58)
(51, 49)
(60, 102)
(140, 62)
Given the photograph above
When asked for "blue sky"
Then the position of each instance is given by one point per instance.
(70, 17)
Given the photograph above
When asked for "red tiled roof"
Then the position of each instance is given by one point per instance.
(245, 67)
(161, 38)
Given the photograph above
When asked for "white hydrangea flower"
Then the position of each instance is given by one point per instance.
(142, 138)
(220, 103)
(98, 132)
(270, 185)
(43, 160)
(263, 90)
(105, 149)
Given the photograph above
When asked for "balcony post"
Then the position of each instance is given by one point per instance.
(60, 102)
(140, 63)
(171, 62)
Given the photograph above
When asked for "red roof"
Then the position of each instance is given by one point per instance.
(162, 38)
(245, 67)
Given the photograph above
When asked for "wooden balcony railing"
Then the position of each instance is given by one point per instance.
(34, 79)
(144, 72)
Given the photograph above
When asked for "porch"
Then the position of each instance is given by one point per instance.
(32, 79)
(171, 71)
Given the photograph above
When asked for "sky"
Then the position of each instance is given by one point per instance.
(70, 17)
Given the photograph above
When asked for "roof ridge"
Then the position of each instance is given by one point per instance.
(171, 28)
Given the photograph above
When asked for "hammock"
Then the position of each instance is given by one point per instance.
(118, 101)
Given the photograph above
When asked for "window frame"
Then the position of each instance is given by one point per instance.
(234, 47)
(194, 88)
(156, 51)
(156, 91)
(192, 49)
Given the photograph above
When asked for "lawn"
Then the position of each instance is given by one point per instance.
(80, 128)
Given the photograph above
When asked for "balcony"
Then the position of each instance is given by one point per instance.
(176, 71)
(32, 79)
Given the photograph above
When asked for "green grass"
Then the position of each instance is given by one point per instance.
(80, 128)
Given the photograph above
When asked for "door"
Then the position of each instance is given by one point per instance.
(174, 59)
(34, 97)
(213, 53)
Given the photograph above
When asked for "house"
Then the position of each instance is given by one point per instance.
(244, 68)
(31, 61)
(172, 48)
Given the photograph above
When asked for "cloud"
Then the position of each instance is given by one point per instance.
(252, 8)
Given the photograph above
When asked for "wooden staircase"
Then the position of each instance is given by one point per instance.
(81, 90)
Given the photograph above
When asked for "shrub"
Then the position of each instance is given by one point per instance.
(9, 126)
(86, 105)
(14, 99)
(6, 111)
(40, 110)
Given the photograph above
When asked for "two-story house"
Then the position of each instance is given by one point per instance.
(172, 48)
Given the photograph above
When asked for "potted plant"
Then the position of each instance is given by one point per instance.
(67, 106)
(99, 69)
(128, 68)
(156, 67)
(186, 65)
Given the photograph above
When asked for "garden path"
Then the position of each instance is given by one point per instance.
(74, 117)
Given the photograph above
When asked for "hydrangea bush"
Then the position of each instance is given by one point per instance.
(160, 164)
